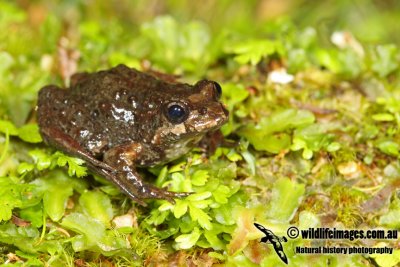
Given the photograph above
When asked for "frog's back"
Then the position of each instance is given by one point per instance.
(58, 114)
(109, 108)
(113, 84)
(116, 101)
(125, 103)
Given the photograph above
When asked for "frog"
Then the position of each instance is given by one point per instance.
(121, 120)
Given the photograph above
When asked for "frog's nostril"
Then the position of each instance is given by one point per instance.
(203, 111)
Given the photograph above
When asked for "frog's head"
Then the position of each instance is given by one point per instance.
(195, 112)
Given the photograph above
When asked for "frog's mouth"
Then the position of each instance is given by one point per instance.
(210, 125)
(211, 119)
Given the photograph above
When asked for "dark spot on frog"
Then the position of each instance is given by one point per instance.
(120, 119)
(94, 113)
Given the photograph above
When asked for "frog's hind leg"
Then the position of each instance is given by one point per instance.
(135, 189)
(61, 141)
(131, 183)
(64, 142)
(112, 177)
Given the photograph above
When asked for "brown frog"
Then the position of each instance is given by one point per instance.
(121, 119)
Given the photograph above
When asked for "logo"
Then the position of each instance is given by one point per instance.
(271, 238)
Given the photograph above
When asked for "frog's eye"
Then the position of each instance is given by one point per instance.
(176, 113)
(218, 90)
(210, 89)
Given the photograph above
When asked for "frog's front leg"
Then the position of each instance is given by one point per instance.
(122, 158)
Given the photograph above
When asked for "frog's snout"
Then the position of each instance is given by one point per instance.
(226, 112)
(218, 113)
(221, 114)
(210, 118)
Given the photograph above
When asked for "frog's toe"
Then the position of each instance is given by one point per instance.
(153, 192)
(178, 194)
(168, 195)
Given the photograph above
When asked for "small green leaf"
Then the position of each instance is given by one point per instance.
(199, 177)
(177, 167)
(91, 229)
(8, 203)
(252, 51)
(250, 160)
(41, 159)
(166, 206)
(270, 133)
(383, 117)
(298, 144)
(23, 238)
(387, 260)
(307, 153)
(74, 164)
(180, 208)
(216, 255)
(214, 241)
(223, 215)
(187, 241)
(199, 196)
(391, 219)
(273, 143)
(8, 127)
(233, 155)
(97, 205)
(221, 194)
(25, 167)
(33, 214)
(287, 196)
(179, 183)
(11, 196)
(386, 59)
(389, 147)
(200, 216)
(332, 147)
(30, 133)
(201, 204)
(233, 94)
(308, 219)
(162, 176)
(174, 45)
(56, 188)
